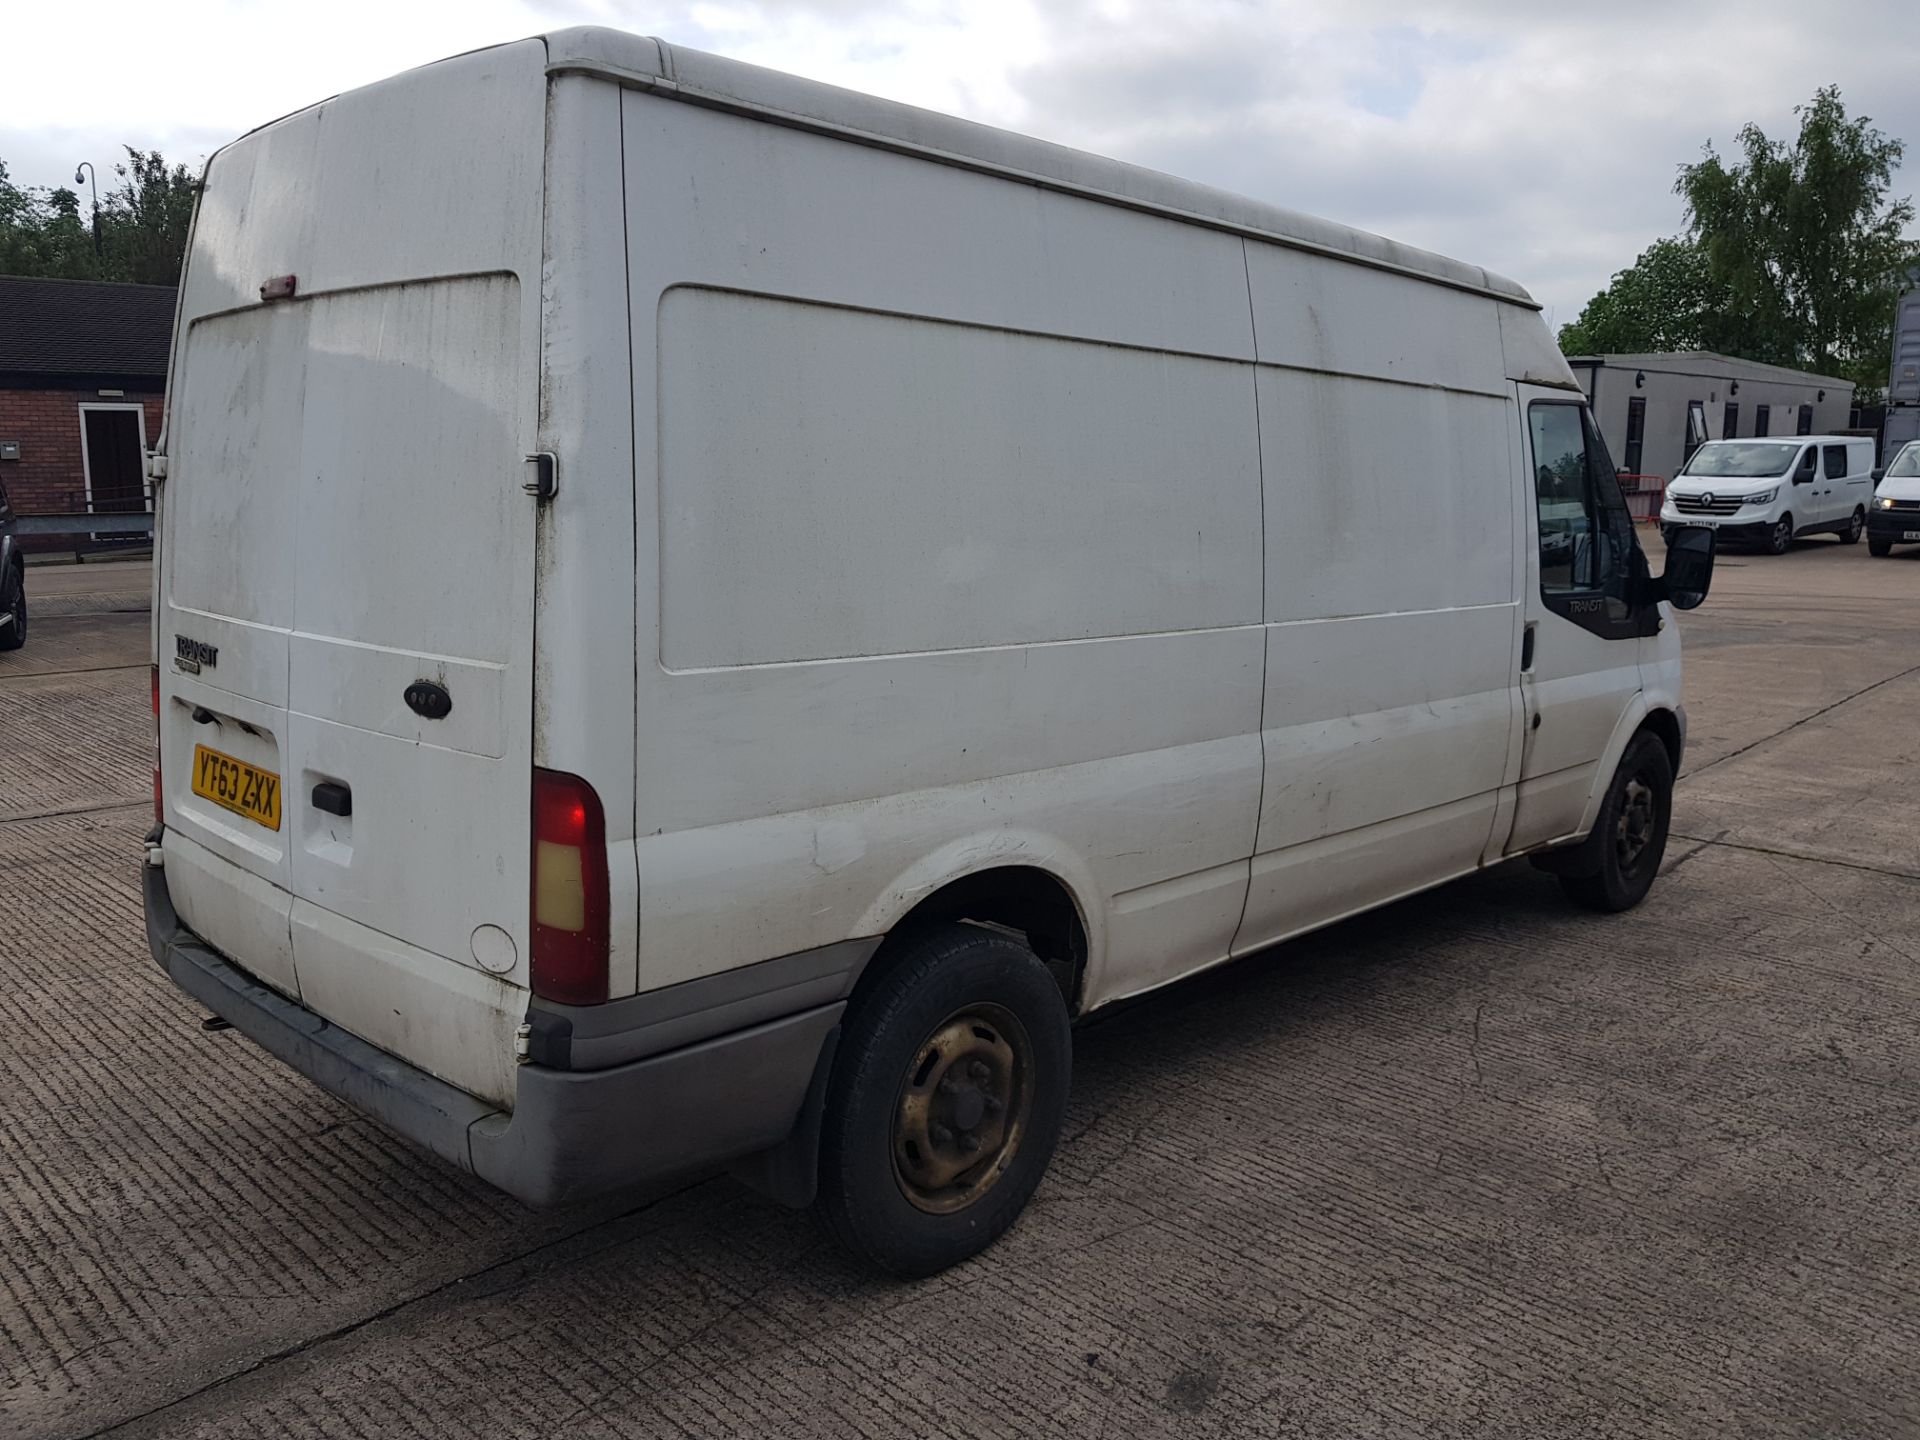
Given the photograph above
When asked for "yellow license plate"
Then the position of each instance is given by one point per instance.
(237, 786)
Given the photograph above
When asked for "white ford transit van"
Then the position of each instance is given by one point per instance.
(1774, 490)
(703, 618)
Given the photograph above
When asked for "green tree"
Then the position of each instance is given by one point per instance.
(1805, 242)
(41, 233)
(144, 221)
(1665, 300)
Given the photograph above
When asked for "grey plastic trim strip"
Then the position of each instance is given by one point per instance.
(571, 1134)
(596, 1037)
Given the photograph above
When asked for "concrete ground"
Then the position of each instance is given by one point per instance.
(1477, 1164)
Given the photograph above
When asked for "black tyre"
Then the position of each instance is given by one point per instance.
(1630, 837)
(1780, 537)
(1877, 546)
(945, 1102)
(13, 601)
(1856, 527)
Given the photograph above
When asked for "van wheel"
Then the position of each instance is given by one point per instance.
(1780, 538)
(945, 1101)
(1877, 546)
(13, 601)
(1630, 836)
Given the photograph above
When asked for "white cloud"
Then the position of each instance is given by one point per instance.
(1539, 141)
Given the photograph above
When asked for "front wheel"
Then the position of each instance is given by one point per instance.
(1630, 836)
(1780, 537)
(1877, 546)
(1855, 528)
(13, 604)
(945, 1101)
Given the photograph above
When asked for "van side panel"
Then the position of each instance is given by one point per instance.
(919, 614)
(1391, 595)
(898, 486)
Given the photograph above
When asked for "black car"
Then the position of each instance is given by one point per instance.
(13, 581)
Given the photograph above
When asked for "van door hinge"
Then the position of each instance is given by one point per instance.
(546, 475)
(156, 468)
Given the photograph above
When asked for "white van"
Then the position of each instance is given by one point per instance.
(704, 618)
(1895, 517)
(1772, 491)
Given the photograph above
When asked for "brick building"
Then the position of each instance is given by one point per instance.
(83, 367)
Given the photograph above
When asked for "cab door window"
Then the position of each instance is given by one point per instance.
(1589, 558)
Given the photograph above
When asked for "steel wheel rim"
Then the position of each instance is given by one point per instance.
(1633, 831)
(963, 1108)
(1782, 535)
(1859, 524)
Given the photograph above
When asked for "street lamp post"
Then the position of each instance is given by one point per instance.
(94, 181)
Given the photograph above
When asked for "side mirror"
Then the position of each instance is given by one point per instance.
(1689, 571)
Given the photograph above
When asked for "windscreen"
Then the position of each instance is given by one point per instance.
(1906, 465)
(1742, 460)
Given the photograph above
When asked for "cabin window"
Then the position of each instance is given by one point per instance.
(1586, 534)
(1730, 422)
(1760, 415)
(1806, 420)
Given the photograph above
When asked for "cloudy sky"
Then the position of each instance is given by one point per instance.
(1538, 140)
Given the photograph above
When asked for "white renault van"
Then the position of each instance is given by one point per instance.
(703, 618)
(1772, 491)
(1895, 517)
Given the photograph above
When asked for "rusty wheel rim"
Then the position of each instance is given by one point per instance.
(1633, 832)
(963, 1108)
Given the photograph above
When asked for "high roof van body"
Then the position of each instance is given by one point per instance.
(704, 618)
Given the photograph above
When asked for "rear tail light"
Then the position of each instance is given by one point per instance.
(159, 814)
(569, 890)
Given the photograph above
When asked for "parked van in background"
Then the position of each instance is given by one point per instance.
(705, 618)
(1895, 517)
(1772, 491)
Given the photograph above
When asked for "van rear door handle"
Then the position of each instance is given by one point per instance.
(333, 798)
(1526, 646)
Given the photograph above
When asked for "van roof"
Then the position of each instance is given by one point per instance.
(715, 81)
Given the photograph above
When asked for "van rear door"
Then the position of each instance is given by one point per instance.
(346, 594)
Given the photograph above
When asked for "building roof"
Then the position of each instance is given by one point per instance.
(84, 328)
(679, 73)
(1705, 362)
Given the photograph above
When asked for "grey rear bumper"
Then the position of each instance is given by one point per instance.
(571, 1133)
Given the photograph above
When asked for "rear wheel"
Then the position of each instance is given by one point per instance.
(1877, 546)
(1630, 836)
(13, 602)
(1780, 537)
(946, 1100)
(1855, 527)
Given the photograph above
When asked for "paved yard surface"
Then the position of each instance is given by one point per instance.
(1474, 1165)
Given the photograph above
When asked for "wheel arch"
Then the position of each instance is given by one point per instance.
(1037, 889)
(1644, 714)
